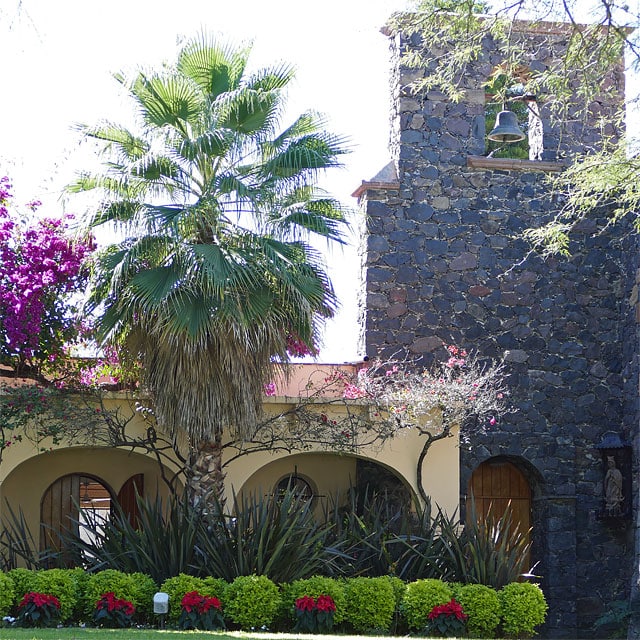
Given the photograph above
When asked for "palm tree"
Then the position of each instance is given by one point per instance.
(215, 281)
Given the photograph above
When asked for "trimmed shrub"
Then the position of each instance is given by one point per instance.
(314, 587)
(482, 604)
(252, 602)
(177, 586)
(7, 594)
(524, 607)
(371, 604)
(420, 597)
(399, 587)
(215, 587)
(123, 585)
(145, 589)
(62, 584)
(81, 578)
(23, 582)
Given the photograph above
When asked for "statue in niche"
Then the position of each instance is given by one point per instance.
(613, 488)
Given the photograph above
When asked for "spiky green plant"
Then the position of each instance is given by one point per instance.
(491, 550)
(420, 545)
(18, 546)
(276, 536)
(163, 543)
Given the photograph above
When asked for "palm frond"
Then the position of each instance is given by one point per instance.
(170, 100)
(215, 68)
(322, 217)
(212, 144)
(120, 212)
(302, 158)
(268, 79)
(248, 111)
(128, 145)
(153, 286)
(306, 124)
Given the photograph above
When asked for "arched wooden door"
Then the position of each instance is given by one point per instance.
(495, 484)
(62, 503)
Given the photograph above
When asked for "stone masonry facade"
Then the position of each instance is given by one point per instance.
(444, 263)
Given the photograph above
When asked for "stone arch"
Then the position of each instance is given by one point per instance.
(531, 473)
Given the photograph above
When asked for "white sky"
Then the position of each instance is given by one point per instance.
(58, 57)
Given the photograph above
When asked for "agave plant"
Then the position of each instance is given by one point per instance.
(364, 528)
(422, 549)
(275, 535)
(489, 550)
(162, 543)
(18, 547)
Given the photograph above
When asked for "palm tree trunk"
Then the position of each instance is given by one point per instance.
(206, 481)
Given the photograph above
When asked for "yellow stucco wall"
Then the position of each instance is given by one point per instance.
(329, 471)
(26, 484)
(26, 472)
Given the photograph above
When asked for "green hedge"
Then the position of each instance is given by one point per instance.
(62, 584)
(314, 587)
(420, 597)
(363, 604)
(482, 605)
(7, 594)
(523, 608)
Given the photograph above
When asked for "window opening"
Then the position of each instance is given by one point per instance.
(507, 90)
(298, 485)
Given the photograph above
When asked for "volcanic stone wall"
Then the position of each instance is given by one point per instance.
(444, 263)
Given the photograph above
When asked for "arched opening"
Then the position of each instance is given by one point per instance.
(330, 478)
(78, 498)
(127, 497)
(497, 485)
(508, 89)
(299, 485)
(373, 478)
(65, 505)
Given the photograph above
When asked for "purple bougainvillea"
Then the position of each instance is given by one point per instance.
(41, 268)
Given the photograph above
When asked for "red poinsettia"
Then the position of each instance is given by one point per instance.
(314, 615)
(113, 612)
(201, 612)
(447, 620)
(38, 610)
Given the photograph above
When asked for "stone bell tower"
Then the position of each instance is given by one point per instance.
(444, 262)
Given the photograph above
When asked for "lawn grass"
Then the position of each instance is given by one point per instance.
(76, 633)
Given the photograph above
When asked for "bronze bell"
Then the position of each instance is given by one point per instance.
(506, 128)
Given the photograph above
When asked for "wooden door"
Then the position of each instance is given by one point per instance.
(61, 504)
(59, 511)
(497, 483)
(127, 498)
